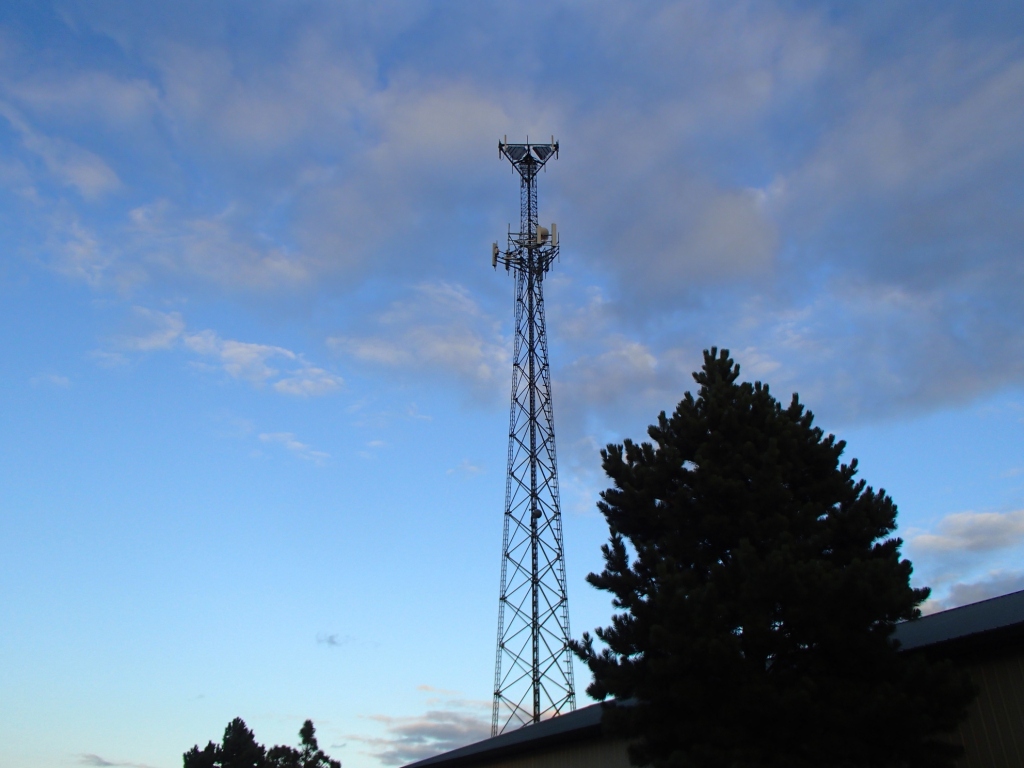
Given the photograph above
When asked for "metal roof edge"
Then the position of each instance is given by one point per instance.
(567, 727)
(969, 620)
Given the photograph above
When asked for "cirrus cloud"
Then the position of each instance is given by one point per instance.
(296, 447)
(975, 532)
(282, 369)
(440, 329)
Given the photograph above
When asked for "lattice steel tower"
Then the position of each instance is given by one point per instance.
(533, 668)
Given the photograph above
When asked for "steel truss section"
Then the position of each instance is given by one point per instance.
(533, 678)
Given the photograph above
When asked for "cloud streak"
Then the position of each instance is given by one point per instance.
(416, 738)
(993, 584)
(451, 721)
(441, 330)
(239, 359)
(282, 369)
(100, 762)
(52, 380)
(163, 332)
(68, 163)
(290, 443)
(974, 532)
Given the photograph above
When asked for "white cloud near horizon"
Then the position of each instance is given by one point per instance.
(969, 556)
(993, 584)
(432, 733)
(973, 532)
(91, 759)
(451, 722)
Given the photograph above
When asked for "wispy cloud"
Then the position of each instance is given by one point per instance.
(440, 329)
(282, 369)
(415, 738)
(617, 385)
(93, 96)
(413, 412)
(52, 380)
(106, 358)
(300, 449)
(974, 532)
(255, 363)
(624, 367)
(76, 250)
(424, 688)
(309, 381)
(888, 206)
(451, 721)
(70, 164)
(240, 359)
(157, 330)
(465, 468)
(969, 556)
(371, 448)
(994, 584)
(219, 248)
(95, 760)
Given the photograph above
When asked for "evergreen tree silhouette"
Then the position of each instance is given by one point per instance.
(758, 584)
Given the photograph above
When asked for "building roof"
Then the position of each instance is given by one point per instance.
(564, 728)
(968, 621)
(997, 618)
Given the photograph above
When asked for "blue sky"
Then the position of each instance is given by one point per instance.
(257, 364)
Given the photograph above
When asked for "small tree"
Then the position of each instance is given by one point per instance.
(758, 587)
(310, 756)
(239, 749)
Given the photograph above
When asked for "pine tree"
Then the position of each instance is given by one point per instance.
(239, 749)
(758, 585)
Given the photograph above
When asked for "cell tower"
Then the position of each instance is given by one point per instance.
(533, 668)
